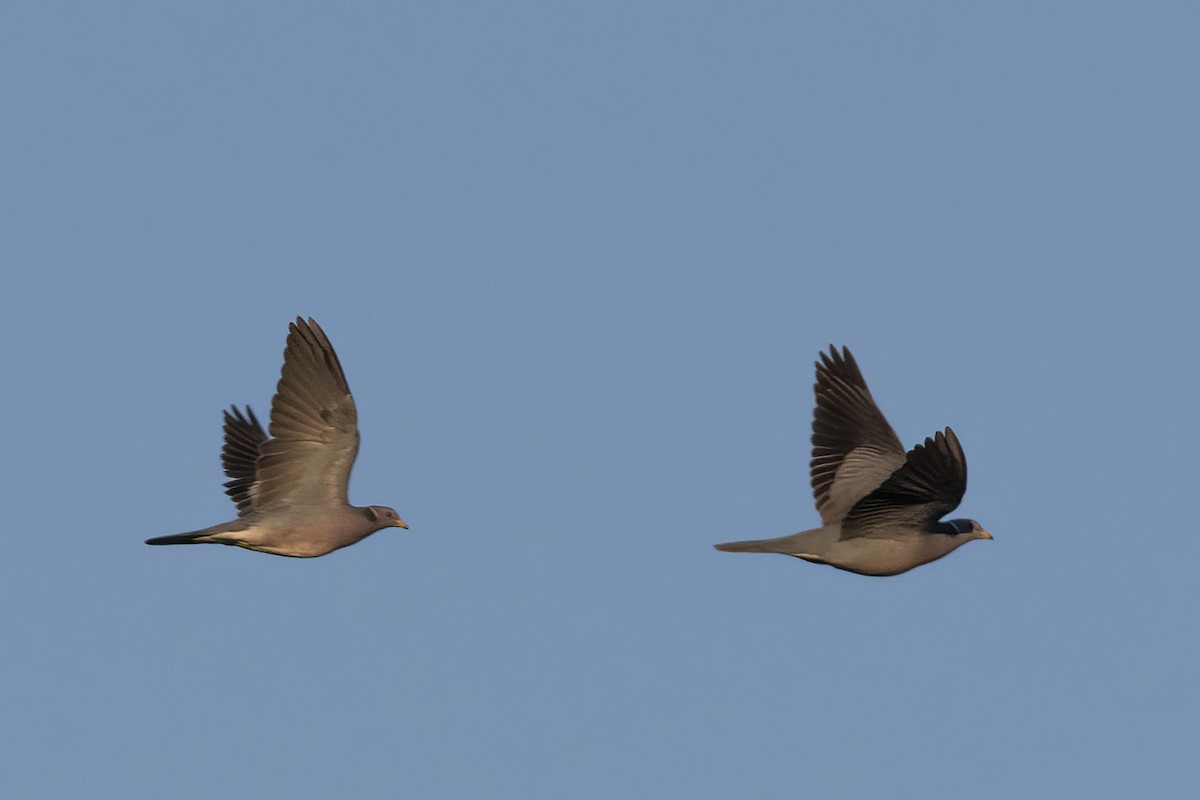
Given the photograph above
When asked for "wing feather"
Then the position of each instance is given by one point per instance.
(854, 447)
(314, 427)
(244, 437)
(929, 485)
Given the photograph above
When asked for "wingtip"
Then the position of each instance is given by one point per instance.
(234, 416)
(945, 440)
(940, 438)
(835, 358)
(303, 325)
(233, 412)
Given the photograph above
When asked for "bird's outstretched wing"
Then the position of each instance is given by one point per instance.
(929, 485)
(244, 437)
(314, 427)
(854, 447)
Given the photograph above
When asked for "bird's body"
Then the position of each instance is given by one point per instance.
(886, 555)
(302, 533)
(290, 487)
(880, 507)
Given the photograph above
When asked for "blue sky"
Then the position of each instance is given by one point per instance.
(577, 261)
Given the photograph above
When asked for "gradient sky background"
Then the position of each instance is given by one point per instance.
(577, 261)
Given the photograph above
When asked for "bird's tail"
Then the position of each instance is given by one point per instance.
(195, 537)
(753, 546)
(217, 534)
(795, 544)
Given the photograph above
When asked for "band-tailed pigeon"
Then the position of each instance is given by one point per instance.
(290, 488)
(879, 506)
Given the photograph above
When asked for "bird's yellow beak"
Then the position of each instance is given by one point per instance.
(399, 523)
(982, 534)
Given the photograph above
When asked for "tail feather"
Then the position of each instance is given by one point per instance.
(754, 546)
(217, 534)
(197, 537)
(803, 544)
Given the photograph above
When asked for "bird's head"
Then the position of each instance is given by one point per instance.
(967, 527)
(386, 517)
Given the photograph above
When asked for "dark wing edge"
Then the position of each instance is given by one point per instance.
(244, 437)
(846, 419)
(929, 485)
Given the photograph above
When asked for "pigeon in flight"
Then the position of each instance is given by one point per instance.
(879, 506)
(290, 487)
